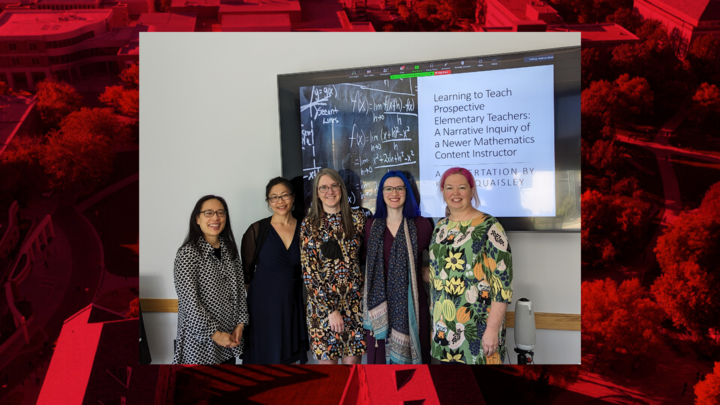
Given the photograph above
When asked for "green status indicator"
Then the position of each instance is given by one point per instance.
(407, 75)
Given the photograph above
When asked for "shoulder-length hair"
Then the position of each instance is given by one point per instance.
(316, 209)
(195, 234)
(468, 176)
(410, 210)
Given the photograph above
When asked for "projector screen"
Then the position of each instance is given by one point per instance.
(513, 120)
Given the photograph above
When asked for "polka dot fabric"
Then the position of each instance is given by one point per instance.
(211, 297)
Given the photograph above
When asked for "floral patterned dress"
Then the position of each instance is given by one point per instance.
(333, 285)
(470, 268)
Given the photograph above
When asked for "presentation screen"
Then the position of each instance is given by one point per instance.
(512, 120)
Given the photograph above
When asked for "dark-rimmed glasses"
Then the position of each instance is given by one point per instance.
(211, 213)
(275, 199)
(324, 189)
(389, 190)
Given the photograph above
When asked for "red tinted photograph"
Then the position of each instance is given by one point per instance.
(577, 135)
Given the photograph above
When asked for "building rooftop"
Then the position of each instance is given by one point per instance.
(14, 23)
(693, 11)
(596, 32)
(118, 36)
(52, 2)
(256, 22)
(195, 3)
(541, 6)
(5, 3)
(609, 33)
(324, 15)
(166, 22)
(258, 6)
(95, 361)
(363, 27)
(13, 111)
(108, 3)
(72, 361)
(517, 7)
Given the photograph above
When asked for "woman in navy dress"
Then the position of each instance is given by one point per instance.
(271, 253)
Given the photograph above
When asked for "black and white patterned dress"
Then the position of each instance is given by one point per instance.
(211, 297)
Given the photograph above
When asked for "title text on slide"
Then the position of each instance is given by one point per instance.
(444, 126)
(438, 98)
(477, 94)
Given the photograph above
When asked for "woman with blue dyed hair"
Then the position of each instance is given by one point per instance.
(395, 305)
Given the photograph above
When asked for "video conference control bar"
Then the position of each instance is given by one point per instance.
(443, 68)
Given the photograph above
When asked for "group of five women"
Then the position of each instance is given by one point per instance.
(258, 311)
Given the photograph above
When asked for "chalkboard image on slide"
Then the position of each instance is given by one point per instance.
(513, 120)
(362, 130)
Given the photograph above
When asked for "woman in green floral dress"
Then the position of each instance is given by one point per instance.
(470, 278)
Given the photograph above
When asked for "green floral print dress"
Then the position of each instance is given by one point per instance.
(470, 268)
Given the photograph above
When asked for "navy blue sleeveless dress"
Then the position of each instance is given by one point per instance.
(277, 333)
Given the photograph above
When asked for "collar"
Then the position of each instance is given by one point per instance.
(206, 249)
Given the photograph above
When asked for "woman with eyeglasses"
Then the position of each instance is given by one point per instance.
(212, 309)
(395, 308)
(331, 237)
(271, 253)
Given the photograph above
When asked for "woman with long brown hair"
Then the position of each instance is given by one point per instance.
(331, 236)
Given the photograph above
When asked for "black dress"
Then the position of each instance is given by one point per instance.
(277, 333)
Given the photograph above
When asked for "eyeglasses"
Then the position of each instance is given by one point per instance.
(275, 199)
(389, 190)
(211, 213)
(324, 189)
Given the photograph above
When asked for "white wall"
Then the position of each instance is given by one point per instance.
(209, 125)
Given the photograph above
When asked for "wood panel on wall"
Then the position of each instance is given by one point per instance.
(543, 320)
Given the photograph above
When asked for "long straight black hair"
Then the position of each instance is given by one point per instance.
(195, 234)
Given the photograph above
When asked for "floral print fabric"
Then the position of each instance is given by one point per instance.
(470, 268)
(333, 285)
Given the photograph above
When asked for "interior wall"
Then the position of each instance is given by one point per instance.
(209, 125)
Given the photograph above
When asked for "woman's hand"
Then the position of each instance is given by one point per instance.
(336, 322)
(490, 342)
(223, 339)
(494, 323)
(237, 333)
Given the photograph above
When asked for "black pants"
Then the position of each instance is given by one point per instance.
(231, 360)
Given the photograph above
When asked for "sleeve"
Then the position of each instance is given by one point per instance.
(243, 315)
(196, 318)
(319, 290)
(498, 264)
(363, 216)
(247, 251)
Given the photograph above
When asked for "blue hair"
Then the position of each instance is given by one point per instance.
(411, 209)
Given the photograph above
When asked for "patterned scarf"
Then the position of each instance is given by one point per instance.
(390, 313)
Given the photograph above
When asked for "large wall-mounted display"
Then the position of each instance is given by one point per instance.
(513, 120)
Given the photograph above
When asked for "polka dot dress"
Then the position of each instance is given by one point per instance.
(211, 297)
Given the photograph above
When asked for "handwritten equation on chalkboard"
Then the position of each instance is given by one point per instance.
(362, 130)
